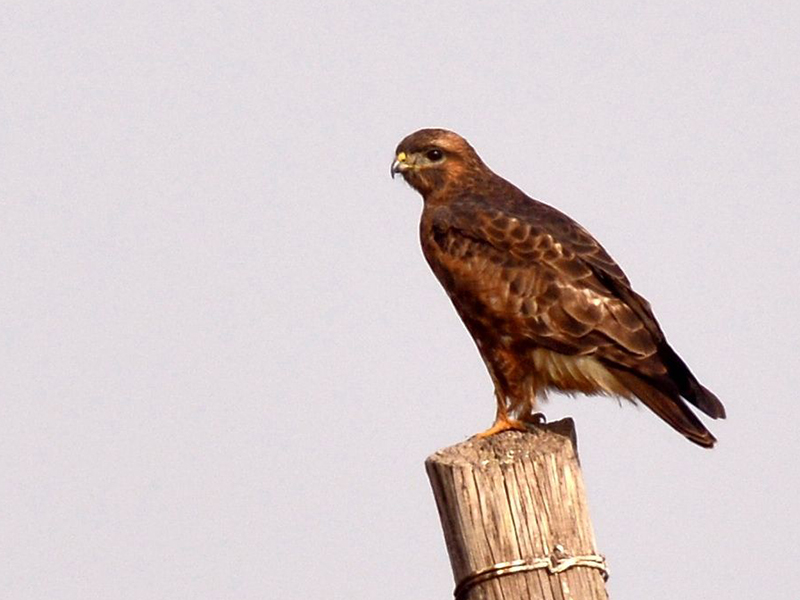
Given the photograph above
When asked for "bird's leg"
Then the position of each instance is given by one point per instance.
(502, 422)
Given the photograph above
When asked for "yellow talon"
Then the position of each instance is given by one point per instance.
(503, 424)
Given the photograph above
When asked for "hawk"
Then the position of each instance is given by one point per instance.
(546, 305)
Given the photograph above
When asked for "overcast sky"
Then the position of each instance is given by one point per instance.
(224, 359)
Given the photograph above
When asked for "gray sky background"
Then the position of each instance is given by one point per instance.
(224, 360)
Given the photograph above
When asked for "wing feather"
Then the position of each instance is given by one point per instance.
(544, 278)
(549, 292)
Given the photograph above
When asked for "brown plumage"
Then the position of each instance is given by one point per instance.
(546, 305)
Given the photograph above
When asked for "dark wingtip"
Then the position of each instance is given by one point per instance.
(691, 389)
(710, 404)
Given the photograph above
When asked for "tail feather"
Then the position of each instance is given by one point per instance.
(671, 409)
(679, 373)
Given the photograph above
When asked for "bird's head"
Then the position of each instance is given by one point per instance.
(431, 159)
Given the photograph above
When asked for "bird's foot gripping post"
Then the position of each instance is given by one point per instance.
(515, 517)
(503, 422)
(535, 419)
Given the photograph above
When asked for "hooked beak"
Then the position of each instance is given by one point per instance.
(399, 165)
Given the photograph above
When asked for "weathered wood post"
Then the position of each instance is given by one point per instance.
(515, 518)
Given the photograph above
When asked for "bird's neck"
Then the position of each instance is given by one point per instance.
(467, 184)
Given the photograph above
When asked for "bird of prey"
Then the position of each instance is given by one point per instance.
(546, 305)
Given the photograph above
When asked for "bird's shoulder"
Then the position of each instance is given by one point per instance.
(523, 230)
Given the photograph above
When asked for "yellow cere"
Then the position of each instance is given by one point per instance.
(401, 156)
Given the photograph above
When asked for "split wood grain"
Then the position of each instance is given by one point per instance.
(511, 496)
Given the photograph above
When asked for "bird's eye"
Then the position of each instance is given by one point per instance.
(434, 154)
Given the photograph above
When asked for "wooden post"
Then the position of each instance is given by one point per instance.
(512, 497)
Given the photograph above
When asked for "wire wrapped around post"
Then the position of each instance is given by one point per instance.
(558, 561)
